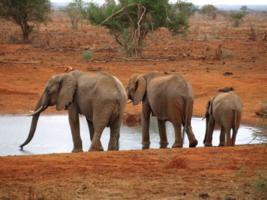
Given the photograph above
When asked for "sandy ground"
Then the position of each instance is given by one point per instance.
(211, 173)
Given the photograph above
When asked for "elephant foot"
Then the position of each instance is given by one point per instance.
(146, 145)
(77, 150)
(177, 145)
(163, 145)
(208, 145)
(113, 148)
(221, 144)
(96, 147)
(193, 143)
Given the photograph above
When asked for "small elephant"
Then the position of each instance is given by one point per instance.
(100, 97)
(224, 110)
(168, 97)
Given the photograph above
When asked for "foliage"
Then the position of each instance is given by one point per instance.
(75, 11)
(87, 55)
(237, 17)
(129, 21)
(209, 10)
(178, 15)
(25, 13)
(244, 9)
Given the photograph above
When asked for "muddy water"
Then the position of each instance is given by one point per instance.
(53, 135)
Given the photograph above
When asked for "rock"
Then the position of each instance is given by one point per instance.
(203, 195)
(262, 111)
(228, 73)
(226, 89)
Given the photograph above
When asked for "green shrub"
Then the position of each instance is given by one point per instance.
(87, 55)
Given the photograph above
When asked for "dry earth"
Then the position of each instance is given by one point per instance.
(222, 173)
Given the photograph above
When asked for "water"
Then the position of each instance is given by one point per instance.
(53, 135)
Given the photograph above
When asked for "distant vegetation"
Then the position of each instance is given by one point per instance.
(76, 12)
(25, 13)
(129, 21)
(209, 10)
(237, 16)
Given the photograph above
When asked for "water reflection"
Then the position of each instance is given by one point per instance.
(53, 135)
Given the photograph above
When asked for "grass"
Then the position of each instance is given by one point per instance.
(261, 184)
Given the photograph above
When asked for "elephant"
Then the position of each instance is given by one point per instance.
(169, 97)
(99, 96)
(224, 110)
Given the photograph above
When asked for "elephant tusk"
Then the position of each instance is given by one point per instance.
(35, 112)
(129, 101)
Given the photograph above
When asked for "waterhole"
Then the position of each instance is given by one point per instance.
(53, 135)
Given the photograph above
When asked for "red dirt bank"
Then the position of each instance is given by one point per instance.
(152, 174)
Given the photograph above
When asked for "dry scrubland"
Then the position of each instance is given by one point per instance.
(213, 173)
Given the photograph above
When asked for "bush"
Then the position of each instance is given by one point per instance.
(87, 55)
(209, 10)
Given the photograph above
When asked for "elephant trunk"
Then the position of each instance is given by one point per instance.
(40, 107)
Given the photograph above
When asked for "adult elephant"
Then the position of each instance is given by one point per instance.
(224, 110)
(100, 97)
(168, 97)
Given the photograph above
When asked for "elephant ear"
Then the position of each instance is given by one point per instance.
(66, 92)
(140, 89)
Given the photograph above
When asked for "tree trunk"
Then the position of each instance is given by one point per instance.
(26, 30)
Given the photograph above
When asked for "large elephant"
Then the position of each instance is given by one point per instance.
(168, 97)
(224, 110)
(100, 97)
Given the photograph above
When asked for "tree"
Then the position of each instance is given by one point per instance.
(130, 21)
(244, 9)
(209, 10)
(237, 17)
(75, 11)
(25, 13)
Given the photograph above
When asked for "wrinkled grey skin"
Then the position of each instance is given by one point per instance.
(168, 97)
(100, 97)
(224, 110)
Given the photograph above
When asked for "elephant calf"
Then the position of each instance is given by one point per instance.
(224, 110)
(100, 97)
(168, 97)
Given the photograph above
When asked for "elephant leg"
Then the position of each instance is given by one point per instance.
(162, 133)
(178, 139)
(114, 135)
(228, 137)
(234, 136)
(191, 137)
(222, 137)
(210, 128)
(145, 119)
(75, 128)
(96, 143)
(91, 129)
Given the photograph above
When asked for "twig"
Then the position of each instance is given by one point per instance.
(118, 12)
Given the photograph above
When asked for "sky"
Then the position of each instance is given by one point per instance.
(199, 2)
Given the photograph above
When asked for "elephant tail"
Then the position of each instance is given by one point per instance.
(186, 117)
